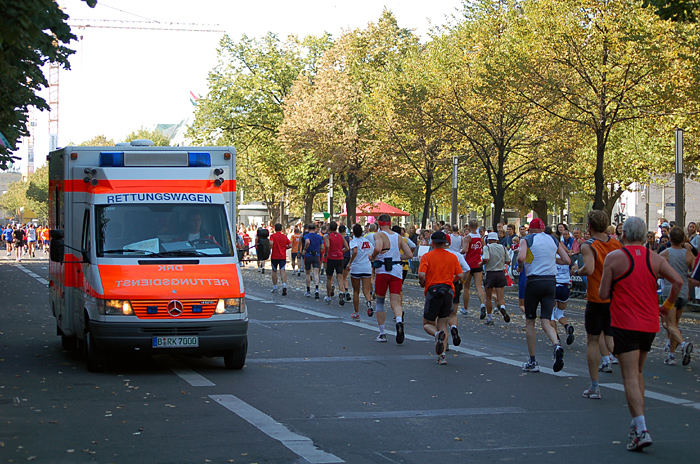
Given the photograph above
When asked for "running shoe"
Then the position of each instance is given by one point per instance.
(381, 338)
(316, 295)
(504, 313)
(370, 310)
(463, 311)
(348, 297)
(274, 290)
(686, 349)
(456, 340)
(327, 299)
(558, 358)
(613, 359)
(490, 322)
(605, 367)
(531, 366)
(341, 300)
(263, 270)
(670, 359)
(592, 393)
(570, 335)
(399, 333)
(355, 316)
(639, 441)
(284, 291)
(483, 313)
(307, 294)
(667, 346)
(442, 359)
(439, 342)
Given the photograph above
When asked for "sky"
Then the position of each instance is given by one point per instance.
(124, 79)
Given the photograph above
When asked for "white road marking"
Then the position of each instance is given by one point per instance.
(32, 274)
(194, 379)
(298, 444)
(650, 394)
(545, 370)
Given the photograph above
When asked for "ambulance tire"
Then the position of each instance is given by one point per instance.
(93, 357)
(69, 343)
(235, 359)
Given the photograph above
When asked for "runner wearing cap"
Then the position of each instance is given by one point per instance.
(436, 274)
(386, 259)
(539, 251)
(495, 257)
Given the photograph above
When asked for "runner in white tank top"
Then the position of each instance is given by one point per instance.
(386, 259)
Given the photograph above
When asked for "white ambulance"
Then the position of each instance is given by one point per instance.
(142, 251)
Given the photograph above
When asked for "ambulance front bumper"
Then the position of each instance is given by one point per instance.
(213, 338)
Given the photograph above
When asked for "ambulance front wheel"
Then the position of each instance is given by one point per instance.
(93, 358)
(235, 359)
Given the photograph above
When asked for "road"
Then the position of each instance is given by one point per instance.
(317, 388)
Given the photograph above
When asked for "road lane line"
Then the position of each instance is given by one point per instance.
(307, 311)
(650, 394)
(32, 274)
(194, 379)
(322, 359)
(298, 444)
(412, 414)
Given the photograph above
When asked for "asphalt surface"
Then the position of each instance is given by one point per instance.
(318, 388)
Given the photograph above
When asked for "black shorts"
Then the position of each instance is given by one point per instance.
(360, 276)
(345, 262)
(312, 261)
(294, 256)
(438, 302)
(597, 318)
(495, 279)
(631, 340)
(476, 270)
(458, 292)
(278, 263)
(334, 265)
(562, 293)
(539, 291)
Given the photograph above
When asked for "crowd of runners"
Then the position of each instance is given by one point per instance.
(25, 240)
(625, 268)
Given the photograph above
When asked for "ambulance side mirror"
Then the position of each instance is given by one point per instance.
(56, 246)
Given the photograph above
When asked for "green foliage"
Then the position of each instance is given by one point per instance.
(32, 33)
(32, 194)
(158, 139)
(99, 141)
(675, 10)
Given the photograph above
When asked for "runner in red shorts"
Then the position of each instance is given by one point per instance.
(386, 259)
(471, 247)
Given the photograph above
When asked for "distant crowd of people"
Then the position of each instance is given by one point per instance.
(626, 267)
(24, 240)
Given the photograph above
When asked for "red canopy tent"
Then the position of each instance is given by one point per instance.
(375, 209)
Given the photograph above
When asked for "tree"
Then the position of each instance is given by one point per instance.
(32, 33)
(158, 139)
(602, 64)
(98, 141)
(243, 108)
(32, 194)
(675, 10)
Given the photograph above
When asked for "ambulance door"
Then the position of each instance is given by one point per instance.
(82, 270)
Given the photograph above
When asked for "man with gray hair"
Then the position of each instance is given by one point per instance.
(634, 314)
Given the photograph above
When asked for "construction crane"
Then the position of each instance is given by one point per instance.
(152, 25)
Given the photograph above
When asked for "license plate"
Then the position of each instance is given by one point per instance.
(177, 341)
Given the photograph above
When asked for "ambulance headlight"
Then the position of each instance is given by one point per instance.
(230, 306)
(114, 307)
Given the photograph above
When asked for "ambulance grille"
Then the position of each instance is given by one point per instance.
(158, 309)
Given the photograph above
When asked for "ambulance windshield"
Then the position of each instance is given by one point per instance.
(163, 229)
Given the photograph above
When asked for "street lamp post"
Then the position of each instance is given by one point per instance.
(680, 184)
(453, 213)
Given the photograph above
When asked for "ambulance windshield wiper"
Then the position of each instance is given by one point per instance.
(130, 250)
(182, 253)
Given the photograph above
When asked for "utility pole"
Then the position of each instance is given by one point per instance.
(330, 197)
(680, 180)
(453, 215)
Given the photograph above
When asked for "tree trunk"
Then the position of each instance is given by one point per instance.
(426, 203)
(498, 202)
(598, 175)
(309, 206)
(540, 208)
(352, 186)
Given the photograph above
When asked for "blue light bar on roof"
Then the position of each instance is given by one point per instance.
(111, 159)
(199, 159)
